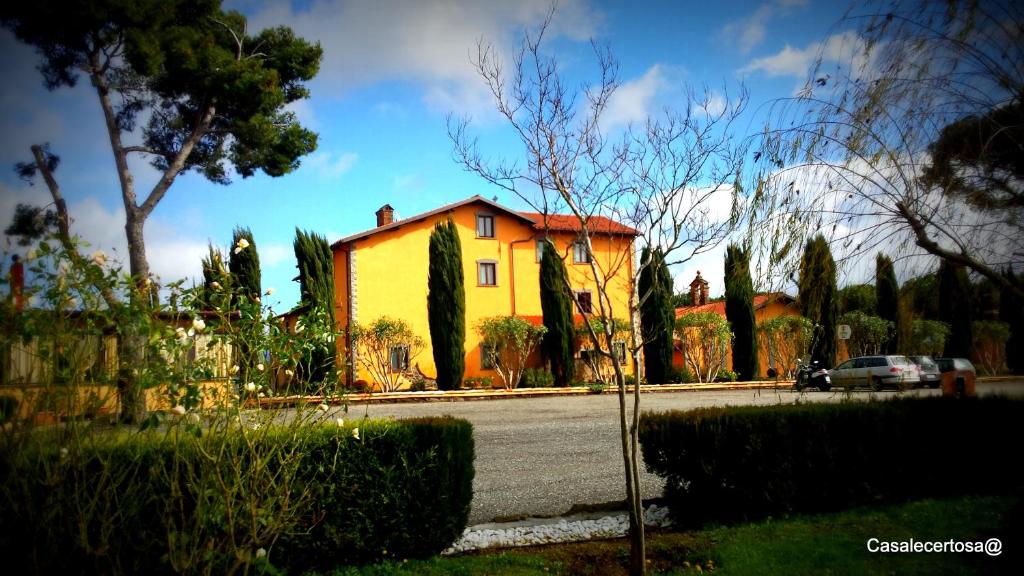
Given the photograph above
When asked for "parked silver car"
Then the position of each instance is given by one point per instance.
(876, 372)
(928, 370)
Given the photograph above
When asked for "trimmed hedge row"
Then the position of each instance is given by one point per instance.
(402, 489)
(745, 463)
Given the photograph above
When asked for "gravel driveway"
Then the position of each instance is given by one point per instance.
(540, 456)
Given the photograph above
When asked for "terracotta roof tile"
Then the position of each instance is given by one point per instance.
(570, 223)
(760, 300)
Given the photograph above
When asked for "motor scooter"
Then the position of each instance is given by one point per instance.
(809, 374)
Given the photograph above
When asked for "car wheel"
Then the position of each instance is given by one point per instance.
(824, 387)
(876, 384)
(933, 385)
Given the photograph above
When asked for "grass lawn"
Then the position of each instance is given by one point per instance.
(826, 544)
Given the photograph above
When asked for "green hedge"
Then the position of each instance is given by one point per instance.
(744, 463)
(142, 503)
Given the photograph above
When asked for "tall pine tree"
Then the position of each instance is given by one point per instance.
(315, 262)
(955, 310)
(817, 296)
(446, 305)
(739, 311)
(657, 317)
(559, 343)
(244, 264)
(887, 297)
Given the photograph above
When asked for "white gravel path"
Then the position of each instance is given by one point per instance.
(551, 530)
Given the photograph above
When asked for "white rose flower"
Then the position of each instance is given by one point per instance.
(99, 257)
(215, 285)
(260, 367)
(179, 410)
(198, 324)
(235, 369)
(355, 433)
(269, 291)
(250, 387)
(324, 407)
(243, 243)
(340, 421)
(289, 372)
(261, 553)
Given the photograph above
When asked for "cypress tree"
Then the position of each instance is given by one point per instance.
(887, 296)
(244, 264)
(446, 305)
(739, 311)
(1011, 311)
(817, 296)
(315, 262)
(955, 310)
(213, 271)
(657, 317)
(559, 343)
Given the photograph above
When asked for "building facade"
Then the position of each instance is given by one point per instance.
(383, 271)
(766, 307)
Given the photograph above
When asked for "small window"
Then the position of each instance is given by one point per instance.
(580, 254)
(584, 303)
(485, 357)
(589, 355)
(540, 249)
(487, 273)
(399, 358)
(619, 349)
(484, 226)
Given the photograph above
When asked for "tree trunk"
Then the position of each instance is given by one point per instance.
(627, 435)
(131, 394)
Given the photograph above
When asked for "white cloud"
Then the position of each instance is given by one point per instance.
(273, 254)
(749, 31)
(331, 164)
(632, 101)
(429, 43)
(846, 48)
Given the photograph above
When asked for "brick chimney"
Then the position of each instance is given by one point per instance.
(385, 216)
(698, 291)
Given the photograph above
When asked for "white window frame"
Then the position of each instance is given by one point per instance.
(482, 217)
(479, 272)
(405, 358)
(580, 253)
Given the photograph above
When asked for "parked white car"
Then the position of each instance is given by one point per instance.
(876, 372)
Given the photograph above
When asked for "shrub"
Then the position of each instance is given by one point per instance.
(744, 463)
(484, 382)
(208, 500)
(509, 340)
(537, 378)
(8, 408)
(726, 375)
(630, 380)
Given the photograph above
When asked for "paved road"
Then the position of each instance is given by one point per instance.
(540, 456)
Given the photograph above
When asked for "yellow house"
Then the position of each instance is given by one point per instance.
(383, 271)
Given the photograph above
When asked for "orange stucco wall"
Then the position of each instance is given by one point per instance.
(772, 309)
(390, 276)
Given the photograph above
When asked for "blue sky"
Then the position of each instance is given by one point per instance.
(391, 73)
